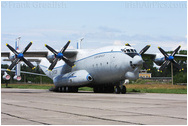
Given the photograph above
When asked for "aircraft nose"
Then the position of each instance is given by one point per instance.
(137, 61)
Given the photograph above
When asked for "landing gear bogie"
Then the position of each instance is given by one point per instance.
(120, 89)
(64, 89)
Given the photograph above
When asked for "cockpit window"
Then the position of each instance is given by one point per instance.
(129, 50)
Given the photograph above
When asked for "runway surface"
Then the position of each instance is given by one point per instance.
(32, 106)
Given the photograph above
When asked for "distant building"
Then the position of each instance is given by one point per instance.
(144, 74)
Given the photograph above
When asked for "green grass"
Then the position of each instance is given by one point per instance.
(86, 89)
(28, 86)
(157, 88)
(140, 88)
(170, 91)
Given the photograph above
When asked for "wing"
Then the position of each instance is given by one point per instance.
(2, 69)
(180, 57)
(149, 55)
(67, 53)
(153, 56)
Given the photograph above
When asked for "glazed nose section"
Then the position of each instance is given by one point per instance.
(137, 61)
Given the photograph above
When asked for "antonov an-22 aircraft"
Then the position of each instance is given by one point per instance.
(101, 68)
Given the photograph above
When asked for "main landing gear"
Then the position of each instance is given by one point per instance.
(110, 89)
(103, 89)
(120, 89)
(64, 89)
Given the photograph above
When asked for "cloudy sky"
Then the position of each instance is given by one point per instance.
(100, 23)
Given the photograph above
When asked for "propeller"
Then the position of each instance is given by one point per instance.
(20, 56)
(144, 49)
(169, 59)
(59, 56)
(141, 53)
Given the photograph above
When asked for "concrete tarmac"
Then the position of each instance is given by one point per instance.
(37, 107)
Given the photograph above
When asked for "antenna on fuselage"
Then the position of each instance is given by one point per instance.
(17, 73)
(79, 43)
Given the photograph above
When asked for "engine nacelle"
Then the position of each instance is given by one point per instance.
(159, 59)
(50, 58)
(18, 78)
(76, 78)
(6, 76)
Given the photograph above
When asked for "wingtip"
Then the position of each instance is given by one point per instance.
(158, 47)
(31, 42)
(45, 44)
(33, 68)
(8, 69)
(69, 40)
(49, 70)
(6, 44)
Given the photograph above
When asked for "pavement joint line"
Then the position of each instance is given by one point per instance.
(145, 114)
(77, 114)
(24, 118)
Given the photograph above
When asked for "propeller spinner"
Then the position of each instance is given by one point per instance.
(20, 56)
(169, 59)
(59, 56)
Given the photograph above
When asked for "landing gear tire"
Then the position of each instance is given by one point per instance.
(103, 89)
(54, 89)
(123, 89)
(72, 89)
(117, 90)
(96, 90)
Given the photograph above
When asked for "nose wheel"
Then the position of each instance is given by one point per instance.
(120, 89)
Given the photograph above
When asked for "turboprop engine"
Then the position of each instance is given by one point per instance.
(18, 78)
(76, 78)
(6, 76)
(51, 58)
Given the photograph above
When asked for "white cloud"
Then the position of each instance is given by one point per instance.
(170, 45)
(118, 43)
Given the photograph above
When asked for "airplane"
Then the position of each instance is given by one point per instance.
(101, 69)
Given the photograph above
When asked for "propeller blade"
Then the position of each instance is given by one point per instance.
(68, 62)
(176, 65)
(165, 63)
(163, 52)
(176, 50)
(144, 49)
(13, 64)
(12, 49)
(28, 63)
(51, 49)
(27, 47)
(65, 47)
(53, 64)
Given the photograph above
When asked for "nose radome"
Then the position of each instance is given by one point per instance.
(137, 60)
